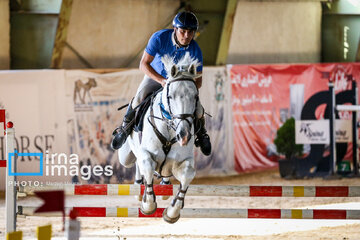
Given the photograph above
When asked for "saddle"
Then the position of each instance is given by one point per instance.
(141, 111)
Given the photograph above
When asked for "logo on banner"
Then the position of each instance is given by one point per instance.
(317, 131)
(82, 96)
(312, 132)
(340, 78)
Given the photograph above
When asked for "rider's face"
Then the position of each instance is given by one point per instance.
(184, 36)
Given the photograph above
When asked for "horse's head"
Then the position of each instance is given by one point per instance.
(180, 95)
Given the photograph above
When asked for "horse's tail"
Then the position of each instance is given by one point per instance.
(126, 156)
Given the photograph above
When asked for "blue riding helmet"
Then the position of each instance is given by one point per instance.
(186, 20)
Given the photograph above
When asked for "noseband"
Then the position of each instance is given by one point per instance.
(184, 116)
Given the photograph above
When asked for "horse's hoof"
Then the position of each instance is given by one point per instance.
(169, 219)
(146, 212)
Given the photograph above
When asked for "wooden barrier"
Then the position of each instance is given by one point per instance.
(205, 213)
(204, 190)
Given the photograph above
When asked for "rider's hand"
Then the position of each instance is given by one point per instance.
(163, 82)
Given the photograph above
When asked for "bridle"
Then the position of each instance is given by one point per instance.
(183, 116)
(168, 117)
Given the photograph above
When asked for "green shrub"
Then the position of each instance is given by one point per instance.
(285, 140)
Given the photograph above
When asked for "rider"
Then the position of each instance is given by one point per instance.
(174, 42)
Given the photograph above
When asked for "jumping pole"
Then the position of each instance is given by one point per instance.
(205, 213)
(10, 199)
(354, 109)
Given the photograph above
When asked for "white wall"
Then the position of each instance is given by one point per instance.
(5, 35)
(109, 33)
(276, 32)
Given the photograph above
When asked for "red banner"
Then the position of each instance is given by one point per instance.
(264, 96)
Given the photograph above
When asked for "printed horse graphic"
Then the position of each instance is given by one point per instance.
(80, 87)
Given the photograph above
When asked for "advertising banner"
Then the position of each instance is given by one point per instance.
(92, 100)
(318, 131)
(264, 96)
(69, 116)
(312, 132)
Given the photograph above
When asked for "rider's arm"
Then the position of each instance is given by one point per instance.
(198, 81)
(149, 70)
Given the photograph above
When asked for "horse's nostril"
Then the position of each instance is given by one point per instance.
(178, 137)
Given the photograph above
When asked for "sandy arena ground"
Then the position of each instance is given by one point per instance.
(127, 228)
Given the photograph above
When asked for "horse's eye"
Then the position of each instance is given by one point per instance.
(170, 97)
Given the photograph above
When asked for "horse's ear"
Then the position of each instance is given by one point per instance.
(174, 71)
(192, 69)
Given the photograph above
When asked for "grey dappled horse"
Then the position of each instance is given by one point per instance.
(167, 141)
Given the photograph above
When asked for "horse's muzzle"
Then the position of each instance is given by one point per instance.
(183, 137)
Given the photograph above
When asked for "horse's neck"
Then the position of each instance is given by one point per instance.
(161, 125)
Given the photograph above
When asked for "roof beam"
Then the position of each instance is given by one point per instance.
(61, 33)
(226, 32)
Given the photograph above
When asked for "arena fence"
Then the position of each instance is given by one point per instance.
(12, 192)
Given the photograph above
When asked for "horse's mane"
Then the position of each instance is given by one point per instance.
(182, 65)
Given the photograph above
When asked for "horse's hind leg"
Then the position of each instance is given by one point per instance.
(185, 173)
(126, 156)
(147, 169)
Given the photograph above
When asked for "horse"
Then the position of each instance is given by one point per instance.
(165, 145)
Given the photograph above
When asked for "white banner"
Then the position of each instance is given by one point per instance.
(343, 130)
(312, 132)
(317, 131)
(92, 116)
(33, 101)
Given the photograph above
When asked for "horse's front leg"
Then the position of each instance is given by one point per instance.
(184, 173)
(138, 178)
(147, 168)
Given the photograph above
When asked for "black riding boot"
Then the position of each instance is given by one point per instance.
(121, 133)
(202, 138)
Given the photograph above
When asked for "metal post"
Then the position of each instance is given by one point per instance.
(10, 201)
(355, 131)
(332, 128)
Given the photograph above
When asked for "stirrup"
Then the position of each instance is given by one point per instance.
(117, 130)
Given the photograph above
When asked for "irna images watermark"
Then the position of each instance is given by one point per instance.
(61, 165)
